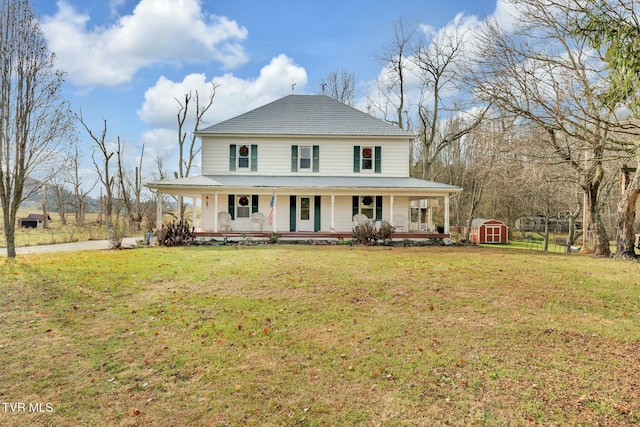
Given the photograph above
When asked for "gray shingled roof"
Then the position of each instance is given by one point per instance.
(306, 115)
(210, 182)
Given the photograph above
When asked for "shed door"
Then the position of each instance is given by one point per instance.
(492, 234)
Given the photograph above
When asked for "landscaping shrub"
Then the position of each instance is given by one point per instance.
(176, 234)
(385, 233)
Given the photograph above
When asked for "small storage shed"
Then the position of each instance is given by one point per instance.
(489, 231)
(33, 221)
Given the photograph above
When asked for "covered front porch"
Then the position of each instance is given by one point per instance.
(224, 206)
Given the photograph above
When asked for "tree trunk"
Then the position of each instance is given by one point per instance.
(9, 231)
(626, 218)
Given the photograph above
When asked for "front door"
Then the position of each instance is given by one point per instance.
(305, 213)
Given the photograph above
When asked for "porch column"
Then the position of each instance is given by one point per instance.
(391, 210)
(446, 214)
(159, 211)
(275, 207)
(193, 212)
(333, 209)
(215, 212)
(430, 226)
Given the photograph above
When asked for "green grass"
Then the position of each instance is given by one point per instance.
(303, 335)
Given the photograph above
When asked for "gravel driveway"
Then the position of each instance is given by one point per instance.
(77, 246)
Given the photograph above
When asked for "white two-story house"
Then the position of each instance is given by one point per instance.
(305, 164)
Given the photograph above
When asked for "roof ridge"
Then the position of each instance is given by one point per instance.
(303, 114)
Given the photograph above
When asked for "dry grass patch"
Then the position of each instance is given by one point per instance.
(320, 336)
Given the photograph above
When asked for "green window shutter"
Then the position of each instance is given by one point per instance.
(316, 213)
(232, 206)
(316, 158)
(254, 157)
(355, 200)
(378, 159)
(232, 157)
(292, 213)
(294, 158)
(356, 158)
(254, 203)
(378, 208)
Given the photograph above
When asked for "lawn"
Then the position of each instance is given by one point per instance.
(317, 336)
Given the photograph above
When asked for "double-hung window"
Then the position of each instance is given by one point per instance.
(305, 158)
(371, 206)
(367, 158)
(243, 157)
(243, 208)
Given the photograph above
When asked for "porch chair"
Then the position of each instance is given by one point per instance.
(359, 219)
(224, 221)
(400, 222)
(257, 221)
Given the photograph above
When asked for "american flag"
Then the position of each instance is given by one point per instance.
(272, 204)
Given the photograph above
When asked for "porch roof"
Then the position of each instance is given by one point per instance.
(216, 183)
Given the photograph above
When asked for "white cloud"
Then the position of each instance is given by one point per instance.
(158, 31)
(234, 96)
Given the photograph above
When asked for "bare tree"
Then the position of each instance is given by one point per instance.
(440, 63)
(80, 193)
(542, 74)
(58, 184)
(34, 120)
(188, 151)
(392, 86)
(102, 168)
(612, 28)
(340, 85)
(130, 187)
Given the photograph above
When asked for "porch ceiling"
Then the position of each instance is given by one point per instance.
(222, 183)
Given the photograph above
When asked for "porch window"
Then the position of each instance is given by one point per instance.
(371, 206)
(243, 208)
(367, 206)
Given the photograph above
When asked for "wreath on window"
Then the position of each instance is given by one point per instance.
(244, 151)
(366, 153)
(367, 200)
(244, 201)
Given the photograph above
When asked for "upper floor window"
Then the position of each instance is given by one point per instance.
(243, 157)
(367, 158)
(305, 158)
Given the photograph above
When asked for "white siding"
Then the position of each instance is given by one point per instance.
(343, 212)
(336, 156)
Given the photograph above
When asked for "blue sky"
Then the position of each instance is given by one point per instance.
(127, 60)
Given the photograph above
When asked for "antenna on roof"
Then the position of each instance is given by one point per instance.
(293, 85)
